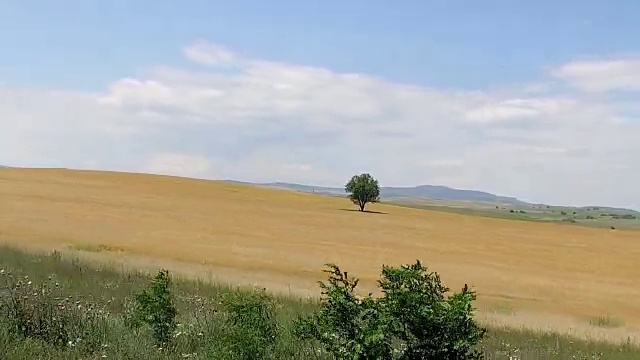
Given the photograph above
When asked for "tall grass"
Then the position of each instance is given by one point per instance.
(207, 327)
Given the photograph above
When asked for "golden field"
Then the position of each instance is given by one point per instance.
(535, 274)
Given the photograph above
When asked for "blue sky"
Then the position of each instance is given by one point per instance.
(518, 98)
(458, 44)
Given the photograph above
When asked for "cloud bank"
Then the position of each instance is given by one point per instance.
(573, 140)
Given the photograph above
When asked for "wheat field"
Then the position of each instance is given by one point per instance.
(555, 276)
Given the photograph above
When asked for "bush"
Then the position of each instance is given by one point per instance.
(430, 325)
(412, 320)
(347, 326)
(253, 329)
(154, 307)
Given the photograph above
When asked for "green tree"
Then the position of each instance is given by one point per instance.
(363, 189)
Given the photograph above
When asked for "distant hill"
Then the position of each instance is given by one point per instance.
(408, 195)
(422, 191)
(437, 192)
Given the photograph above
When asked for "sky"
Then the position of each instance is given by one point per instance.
(534, 99)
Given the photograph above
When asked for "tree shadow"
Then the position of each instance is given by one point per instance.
(366, 211)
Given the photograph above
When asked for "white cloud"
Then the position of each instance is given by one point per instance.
(208, 53)
(259, 120)
(602, 75)
(194, 166)
(441, 163)
(299, 167)
(516, 109)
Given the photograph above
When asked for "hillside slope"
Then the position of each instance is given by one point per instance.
(282, 239)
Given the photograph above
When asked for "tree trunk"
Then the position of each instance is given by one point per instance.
(362, 204)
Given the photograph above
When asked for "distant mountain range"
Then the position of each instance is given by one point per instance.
(423, 191)
(431, 192)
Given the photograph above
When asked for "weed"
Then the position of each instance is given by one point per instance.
(42, 312)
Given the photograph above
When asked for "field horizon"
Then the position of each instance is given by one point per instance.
(537, 275)
(481, 203)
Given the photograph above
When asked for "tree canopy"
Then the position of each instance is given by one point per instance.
(363, 189)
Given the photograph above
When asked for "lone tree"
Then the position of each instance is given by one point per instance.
(363, 189)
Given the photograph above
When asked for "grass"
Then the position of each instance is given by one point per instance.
(592, 217)
(241, 234)
(504, 309)
(196, 301)
(605, 321)
(201, 335)
(96, 248)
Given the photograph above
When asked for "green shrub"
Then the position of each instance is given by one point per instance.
(412, 320)
(347, 326)
(430, 325)
(253, 330)
(154, 307)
